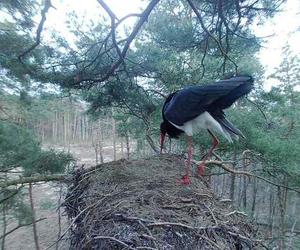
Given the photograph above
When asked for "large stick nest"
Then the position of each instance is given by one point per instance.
(140, 204)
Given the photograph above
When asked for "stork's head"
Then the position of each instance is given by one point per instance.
(163, 131)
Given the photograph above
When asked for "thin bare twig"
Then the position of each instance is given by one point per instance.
(47, 6)
(143, 18)
(236, 172)
(114, 239)
(21, 225)
(218, 42)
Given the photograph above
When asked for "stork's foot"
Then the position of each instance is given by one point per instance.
(185, 180)
(201, 169)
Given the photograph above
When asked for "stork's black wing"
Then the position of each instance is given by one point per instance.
(190, 102)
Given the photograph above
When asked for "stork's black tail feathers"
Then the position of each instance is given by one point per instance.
(229, 127)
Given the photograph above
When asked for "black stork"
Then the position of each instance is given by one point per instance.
(201, 107)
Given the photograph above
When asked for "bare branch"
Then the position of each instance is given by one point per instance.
(143, 18)
(19, 226)
(39, 30)
(113, 18)
(157, 92)
(107, 9)
(225, 166)
(11, 195)
(260, 109)
(218, 42)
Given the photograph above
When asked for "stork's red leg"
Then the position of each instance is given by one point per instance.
(201, 167)
(186, 178)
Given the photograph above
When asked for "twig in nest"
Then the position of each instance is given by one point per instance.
(212, 214)
(236, 212)
(210, 241)
(149, 232)
(181, 207)
(157, 224)
(150, 248)
(72, 223)
(114, 239)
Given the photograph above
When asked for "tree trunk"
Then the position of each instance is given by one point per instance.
(271, 213)
(127, 145)
(122, 148)
(66, 127)
(42, 124)
(224, 185)
(53, 127)
(56, 127)
(4, 225)
(96, 152)
(254, 194)
(282, 198)
(232, 183)
(82, 128)
(74, 127)
(151, 143)
(245, 184)
(35, 234)
(114, 139)
(101, 139)
(59, 218)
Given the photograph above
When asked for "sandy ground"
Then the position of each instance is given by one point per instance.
(46, 198)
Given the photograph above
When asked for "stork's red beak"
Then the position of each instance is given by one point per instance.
(162, 140)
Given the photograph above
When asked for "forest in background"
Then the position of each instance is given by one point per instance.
(109, 88)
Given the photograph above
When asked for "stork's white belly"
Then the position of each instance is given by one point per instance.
(203, 121)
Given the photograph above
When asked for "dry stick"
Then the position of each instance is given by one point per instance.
(114, 239)
(195, 228)
(72, 223)
(149, 232)
(212, 214)
(236, 212)
(210, 241)
(157, 224)
(150, 248)
(19, 226)
(221, 164)
(164, 223)
(11, 195)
